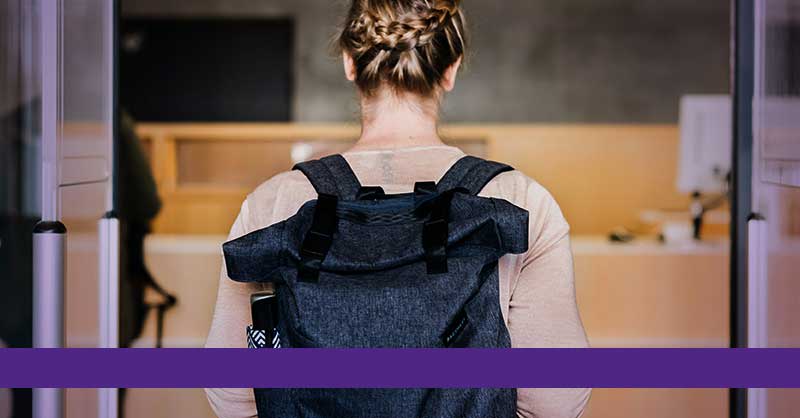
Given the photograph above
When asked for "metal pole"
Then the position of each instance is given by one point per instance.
(109, 304)
(109, 225)
(757, 301)
(49, 236)
(49, 246)
(743, 31)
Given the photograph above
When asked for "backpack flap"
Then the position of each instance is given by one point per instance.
(256, 256)
(382, 238)
(349, 235)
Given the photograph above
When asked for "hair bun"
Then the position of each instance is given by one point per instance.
(408, 43)
(399, 36)
(409, 31)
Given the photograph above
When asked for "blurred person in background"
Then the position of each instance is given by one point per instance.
(139, 204)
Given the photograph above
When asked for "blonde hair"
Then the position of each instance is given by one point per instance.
(405, 44)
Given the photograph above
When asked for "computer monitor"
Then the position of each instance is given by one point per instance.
(207, 69)
(705, 143)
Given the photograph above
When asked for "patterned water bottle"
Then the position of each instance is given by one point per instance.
(264, 331)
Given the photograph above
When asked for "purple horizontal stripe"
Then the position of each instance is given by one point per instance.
(193, 368)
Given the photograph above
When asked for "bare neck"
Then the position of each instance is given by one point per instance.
(390, 122)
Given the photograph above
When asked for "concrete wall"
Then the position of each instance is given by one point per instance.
(531, 61)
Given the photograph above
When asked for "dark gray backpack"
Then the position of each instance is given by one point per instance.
(357, 268)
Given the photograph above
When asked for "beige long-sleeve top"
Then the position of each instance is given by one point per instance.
(537, 292)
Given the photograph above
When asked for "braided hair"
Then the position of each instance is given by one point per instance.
(405, 44)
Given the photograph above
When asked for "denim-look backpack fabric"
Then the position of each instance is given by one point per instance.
(357, 268)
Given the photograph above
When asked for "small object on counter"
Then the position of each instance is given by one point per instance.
(697, 210)
(621, 235)
(676, 232)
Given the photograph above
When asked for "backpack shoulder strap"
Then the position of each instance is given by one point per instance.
(332, 176)
(472, 174)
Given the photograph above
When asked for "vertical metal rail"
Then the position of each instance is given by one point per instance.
(49, 247)
(757, 295)
(742, 82)
(49, 236)
(757, 228)
(108, 310)
(109, 226)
